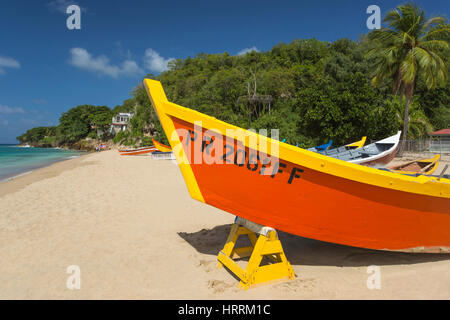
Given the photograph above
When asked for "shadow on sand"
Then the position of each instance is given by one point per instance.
(303, 251)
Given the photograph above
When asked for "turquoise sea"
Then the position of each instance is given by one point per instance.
(15, 161)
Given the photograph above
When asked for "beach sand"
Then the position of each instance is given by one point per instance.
(135, 233)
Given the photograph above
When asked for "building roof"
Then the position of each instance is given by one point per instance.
(127, 114)
(442, 132)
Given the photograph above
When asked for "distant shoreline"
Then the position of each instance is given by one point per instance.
(42, 147)
(16, 182)
(36, 167)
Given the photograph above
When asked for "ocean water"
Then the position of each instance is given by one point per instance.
(16, 161)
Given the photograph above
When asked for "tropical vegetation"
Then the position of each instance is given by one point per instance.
(310, 90)
(412, 47)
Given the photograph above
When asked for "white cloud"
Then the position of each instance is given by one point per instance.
(130, 68)
(7, 62)
(82, 59)
(154, 62)
(10, 110)
(247, 50)
(122, 52)
(61, 5)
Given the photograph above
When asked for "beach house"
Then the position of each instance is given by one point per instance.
(120, 122)
(440, 141)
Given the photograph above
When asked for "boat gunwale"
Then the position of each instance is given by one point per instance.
(160, 146)
(423, 185)
(381, 154)
(134, 150)
(434, 160)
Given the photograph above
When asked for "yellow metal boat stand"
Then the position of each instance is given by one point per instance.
(264, 243)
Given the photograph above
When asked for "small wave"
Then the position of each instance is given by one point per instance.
(71, 157)
(16, 176)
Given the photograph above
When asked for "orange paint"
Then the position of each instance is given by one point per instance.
(321, 206)
(133, 152)
(303, 192)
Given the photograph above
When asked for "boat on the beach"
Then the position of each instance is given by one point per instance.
(322, 147)
(302, 192)
(138, 151)
(158, 155)
(422, 166)
(327, 146)
(375, 154)
(161, 147)
(357, 144)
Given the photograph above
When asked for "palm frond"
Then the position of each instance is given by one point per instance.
(393, 18)
(410, 47)
(409, 68)
(434, 44)
(423, 57)
(433, 21)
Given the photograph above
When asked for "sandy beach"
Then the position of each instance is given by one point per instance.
(131, 227)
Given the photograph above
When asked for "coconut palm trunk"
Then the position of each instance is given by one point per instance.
(408, 95)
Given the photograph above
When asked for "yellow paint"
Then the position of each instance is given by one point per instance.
(161, 147)
(357, 144)
(424, 185)
(261, 246)
(159, 99)
(434, 160)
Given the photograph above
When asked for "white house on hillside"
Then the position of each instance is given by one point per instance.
(120, 122)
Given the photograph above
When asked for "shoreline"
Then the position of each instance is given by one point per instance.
(49, 170)
(53, 169)
(35, 167)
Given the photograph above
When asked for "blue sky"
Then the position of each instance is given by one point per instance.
(46, 69)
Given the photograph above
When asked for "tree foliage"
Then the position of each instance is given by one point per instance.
(78, 122)
(318, 91)
(411, 48)
(37, 134)
(311, 90)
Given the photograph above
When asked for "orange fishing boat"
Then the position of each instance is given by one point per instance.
(302, 192)
(161, 147)
(138, 151)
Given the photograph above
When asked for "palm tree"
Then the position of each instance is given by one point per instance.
(411, 47)
(418, 125)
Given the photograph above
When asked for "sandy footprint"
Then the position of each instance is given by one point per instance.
(207, 265)
(297, 285)
(219, 286)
